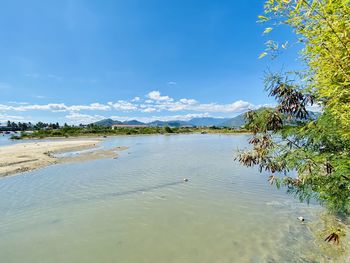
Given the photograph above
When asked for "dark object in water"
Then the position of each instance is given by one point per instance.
(185, 180)
(333, 237)
(300, 218)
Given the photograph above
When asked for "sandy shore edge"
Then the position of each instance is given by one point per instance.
(24, 157)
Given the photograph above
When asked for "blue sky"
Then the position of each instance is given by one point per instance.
(81, 61)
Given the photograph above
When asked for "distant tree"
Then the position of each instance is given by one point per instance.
(20, 126)
(14, 126)
(168, 129)
(24, 126)
(40, 125)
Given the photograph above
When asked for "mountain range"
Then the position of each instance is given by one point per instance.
(235, 122)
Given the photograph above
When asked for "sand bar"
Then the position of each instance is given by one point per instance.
(29, 156)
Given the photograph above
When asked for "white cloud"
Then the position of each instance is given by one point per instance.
(171, 83)
(188, 101)
(126, 106)
(174, 107)
(77, 118)
(93, 106)
(18, 103)
(4, 118)
(154, 102)
(155, 95)
(54, 107)
(123, 105)
(149, 110)
(4, 107)
(265, 106)
(193, 105)
(235, 107)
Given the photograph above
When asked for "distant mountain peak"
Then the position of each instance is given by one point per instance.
(107, 122)
(235, 122)
(133, 122)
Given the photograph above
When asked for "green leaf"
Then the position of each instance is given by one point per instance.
(262, 55)
(267, 30)
(263, 19)
(284, 46)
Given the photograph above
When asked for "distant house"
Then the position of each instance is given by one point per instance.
(116, 126)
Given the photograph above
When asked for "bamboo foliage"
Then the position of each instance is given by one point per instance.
(285, 138)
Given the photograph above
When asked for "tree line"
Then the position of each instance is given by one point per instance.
(28, 126)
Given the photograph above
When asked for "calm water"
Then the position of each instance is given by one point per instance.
(5, 139)
(137, 208)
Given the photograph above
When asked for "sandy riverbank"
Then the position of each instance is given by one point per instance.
(29, 156)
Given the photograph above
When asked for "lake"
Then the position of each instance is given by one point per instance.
(137, 208)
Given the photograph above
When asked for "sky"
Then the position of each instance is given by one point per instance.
(81, 61)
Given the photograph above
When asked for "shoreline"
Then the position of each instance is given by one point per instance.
(28, 156)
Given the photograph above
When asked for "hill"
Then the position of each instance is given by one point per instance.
(235, 122)
(207, 121)
(107, 122)
(167, 123)
(133, 122)
(239, 121)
